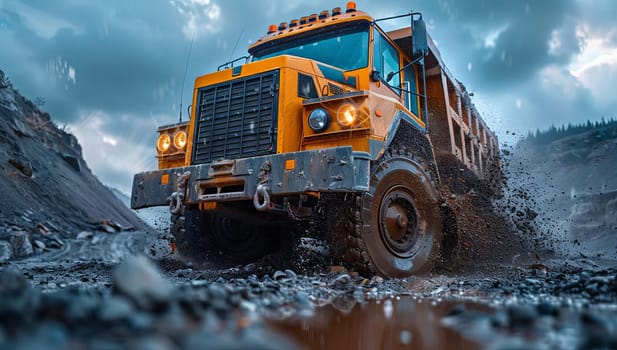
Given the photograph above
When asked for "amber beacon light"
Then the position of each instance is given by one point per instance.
(351, 6)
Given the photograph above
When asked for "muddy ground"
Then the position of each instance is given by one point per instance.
(126, 290)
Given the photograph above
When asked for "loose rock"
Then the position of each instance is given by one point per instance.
(341, 281)
(85, 235)
(6, 251)
(42, 229)
(290, 274)
(17, 299)
(279, 275)
(521, 316)
(39, 244)
(115, 309)
(21, 244)
(139, 280)
(337, 269)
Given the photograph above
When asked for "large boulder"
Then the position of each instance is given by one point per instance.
(20, 241)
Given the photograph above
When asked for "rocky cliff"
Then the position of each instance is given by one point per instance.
(47, 191)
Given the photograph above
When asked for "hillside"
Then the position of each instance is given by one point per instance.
(47, 188)
(572, 175)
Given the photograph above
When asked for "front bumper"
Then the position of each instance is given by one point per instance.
(326, 170)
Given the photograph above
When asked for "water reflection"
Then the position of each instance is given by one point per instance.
(391, 324)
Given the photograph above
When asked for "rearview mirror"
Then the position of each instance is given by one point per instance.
(419, 39)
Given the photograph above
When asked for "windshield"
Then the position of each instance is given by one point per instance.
(346, 49)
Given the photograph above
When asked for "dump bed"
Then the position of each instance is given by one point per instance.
(455, 126)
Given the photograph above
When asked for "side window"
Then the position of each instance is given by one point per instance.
(409, 84)
(386, 59)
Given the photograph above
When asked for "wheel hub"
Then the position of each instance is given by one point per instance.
(398, 221)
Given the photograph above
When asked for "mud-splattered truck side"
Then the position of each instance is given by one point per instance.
(328, 114)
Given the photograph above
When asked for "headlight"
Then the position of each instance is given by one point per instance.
(319, 120)
(163, 143)
(180, 140)
(347, 116)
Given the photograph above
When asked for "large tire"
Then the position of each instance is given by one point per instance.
(234, 241)
(186, 228)
(208, 237)
(397, 227)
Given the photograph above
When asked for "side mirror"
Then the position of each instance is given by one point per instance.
(375, 75)
(419, 39)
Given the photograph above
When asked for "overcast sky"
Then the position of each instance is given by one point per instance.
(112, 70)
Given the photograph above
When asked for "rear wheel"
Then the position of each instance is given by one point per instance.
(397, 223)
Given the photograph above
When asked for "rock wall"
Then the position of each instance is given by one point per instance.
(47, 191)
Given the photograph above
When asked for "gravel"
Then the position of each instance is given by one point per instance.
(528, 327)
(98, 303)
(147, 313)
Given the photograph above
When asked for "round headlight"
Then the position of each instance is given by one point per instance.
(319, 120)
(163, 143)
(180, 139)
(347, 115)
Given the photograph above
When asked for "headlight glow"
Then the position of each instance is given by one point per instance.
(347, 116)
(163, 143)
(180, 139)
(319, 120)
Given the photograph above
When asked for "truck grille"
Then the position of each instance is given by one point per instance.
(237, 119)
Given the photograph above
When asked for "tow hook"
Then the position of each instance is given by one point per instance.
(261, 200)
(176, 200)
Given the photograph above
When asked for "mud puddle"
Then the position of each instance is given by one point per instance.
(399, 323)
(406, 322)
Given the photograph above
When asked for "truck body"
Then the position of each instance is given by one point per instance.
(328, 114)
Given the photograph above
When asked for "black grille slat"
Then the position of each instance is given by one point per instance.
(231, 87)
(237, 119)
(208, 140)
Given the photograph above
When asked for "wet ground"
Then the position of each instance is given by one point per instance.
(86, 289)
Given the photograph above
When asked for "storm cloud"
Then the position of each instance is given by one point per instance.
(112, 71)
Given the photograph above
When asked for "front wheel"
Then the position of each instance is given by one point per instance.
(232, 240)
(398, 226)
(212, 237)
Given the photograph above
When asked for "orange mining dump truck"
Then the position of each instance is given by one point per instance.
(330, 120)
